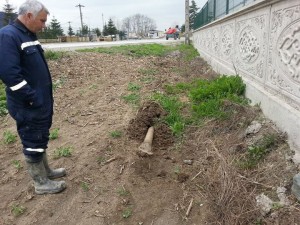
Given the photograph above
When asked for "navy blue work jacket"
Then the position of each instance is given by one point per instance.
(25, 72)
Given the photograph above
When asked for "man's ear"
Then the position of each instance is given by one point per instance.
(29, 16)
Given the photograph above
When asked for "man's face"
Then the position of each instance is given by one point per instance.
(36, 24)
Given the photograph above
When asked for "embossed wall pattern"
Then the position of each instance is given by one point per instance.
(261, 43)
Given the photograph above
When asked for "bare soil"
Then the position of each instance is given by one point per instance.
(190, 180)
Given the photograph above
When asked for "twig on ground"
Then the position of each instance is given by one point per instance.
(189, 208)
(122, 168)
(197, 175)
(254, 182)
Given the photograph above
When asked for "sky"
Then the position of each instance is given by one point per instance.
(95, 13)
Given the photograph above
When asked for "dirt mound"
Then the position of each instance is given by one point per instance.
(149, 115)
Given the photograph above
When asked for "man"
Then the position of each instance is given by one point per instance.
(24, 71)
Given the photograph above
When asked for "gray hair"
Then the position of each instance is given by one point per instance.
(32, 6)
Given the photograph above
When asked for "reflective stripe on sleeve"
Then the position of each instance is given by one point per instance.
(30, 43)
(35, 149)
(18, 86)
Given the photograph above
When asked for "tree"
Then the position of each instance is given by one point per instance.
(193, 13)
(52, 31)
(85, 30)
(105, 31)
(70, 31)
(9, 15)
(139, 24)
(111, 28)
(182, 29)
(97, 31)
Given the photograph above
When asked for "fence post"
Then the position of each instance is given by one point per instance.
(227, 7)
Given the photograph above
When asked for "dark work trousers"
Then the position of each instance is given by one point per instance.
(33, 128)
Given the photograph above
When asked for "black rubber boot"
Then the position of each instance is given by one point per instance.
(53, 173)
(42, 183)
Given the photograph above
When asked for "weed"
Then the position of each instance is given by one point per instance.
(276, 205)
(127, 213)
(133, 87)
(122, 191)
(148, 72)
(132, 98)
(63, 152)
(116, 134)
(177, 169)
(147, 79)
(53, 55)
(257, 152)
(9, 137)
(54, 134)
(59, 83)
(85, 186)
(17, 210)
(94, 86)
(17, 164)
(101, 159)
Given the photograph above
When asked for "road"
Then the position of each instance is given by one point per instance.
(69, 46)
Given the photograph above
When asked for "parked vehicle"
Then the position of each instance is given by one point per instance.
(173, 33)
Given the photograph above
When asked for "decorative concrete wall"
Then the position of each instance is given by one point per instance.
(261, 43)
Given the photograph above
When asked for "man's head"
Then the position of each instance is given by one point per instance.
(33, 15)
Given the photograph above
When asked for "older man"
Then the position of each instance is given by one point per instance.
(25, 72)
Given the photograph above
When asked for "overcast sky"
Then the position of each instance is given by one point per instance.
(166, 13)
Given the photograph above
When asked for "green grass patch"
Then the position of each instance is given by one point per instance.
(17, 164)
(54, 134)
(62, 152)
(172, 106)
(132, 98)
(127, 213)
(133, 87)
(122, 191)
(115, 134)
(132, 50)
(187, 51)
(206, 100)
(17, 210)
(85, 186)
(9, 137)
(208, 97)
(3, 106)
(53, 55)
(148, 71)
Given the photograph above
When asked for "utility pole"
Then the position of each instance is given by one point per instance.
(187, 22)
(79, 5)
(102, 21)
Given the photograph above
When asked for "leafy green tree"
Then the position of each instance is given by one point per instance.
(9, 15)
(85, 30)
(193, 13)
(97, 31)
(182, 28)
(122, 35)
(70, 31)
(111, 28)
(55, 28)
(52, 31)
(105, 31)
